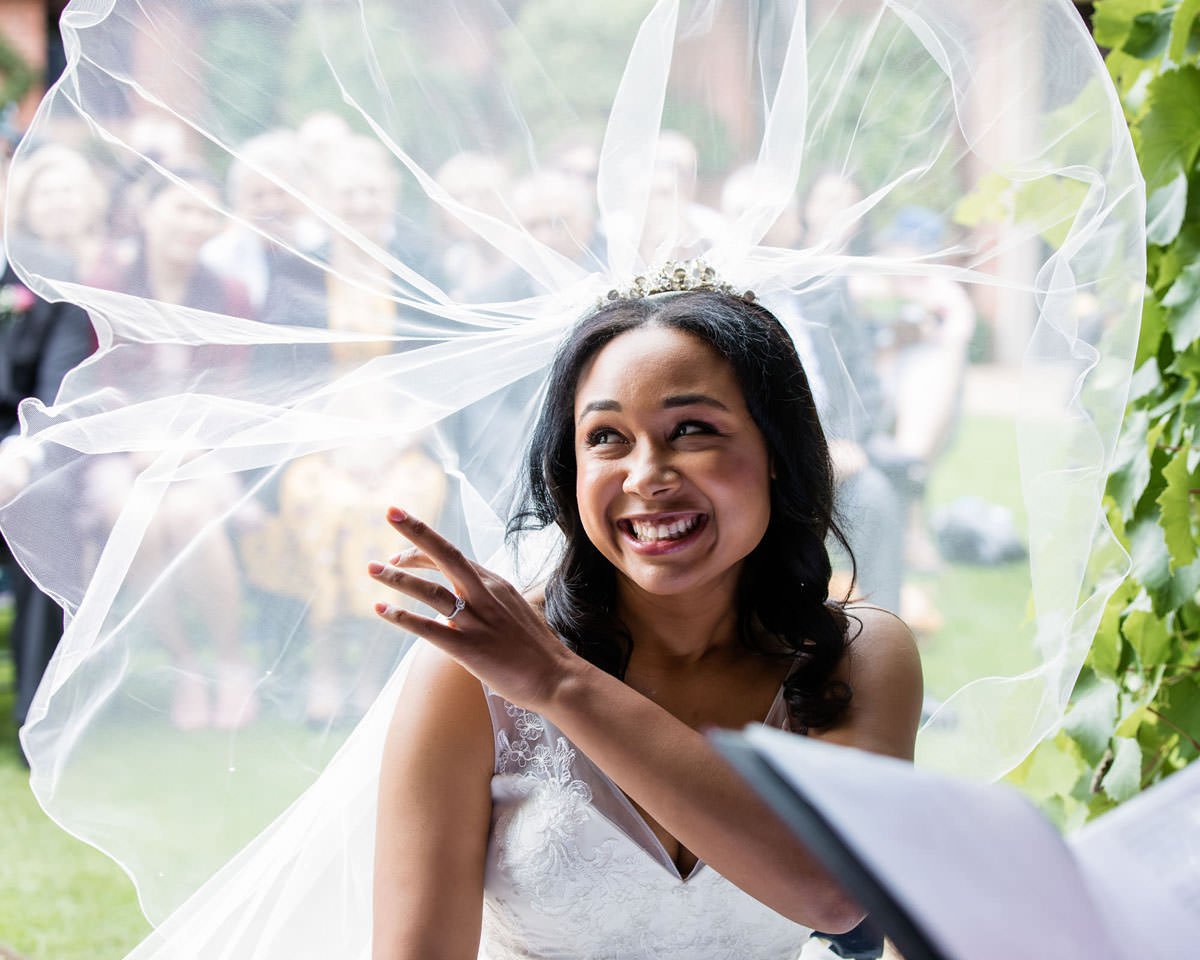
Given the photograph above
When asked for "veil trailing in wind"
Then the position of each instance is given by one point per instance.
(339, 244)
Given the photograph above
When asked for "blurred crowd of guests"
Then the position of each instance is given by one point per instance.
(886, 357)
(39, 343)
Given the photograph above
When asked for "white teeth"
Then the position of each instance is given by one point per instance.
(646, 531)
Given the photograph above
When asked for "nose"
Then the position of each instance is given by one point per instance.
(651, 473)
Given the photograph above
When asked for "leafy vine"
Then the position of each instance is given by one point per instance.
(1135, 710)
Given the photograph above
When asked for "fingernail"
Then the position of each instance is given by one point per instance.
(374, 569)
(383, 609)
(396, 515)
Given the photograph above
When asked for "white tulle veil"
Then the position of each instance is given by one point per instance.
(455, 183)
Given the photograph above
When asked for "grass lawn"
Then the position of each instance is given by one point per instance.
(60, 899)
(987, 627)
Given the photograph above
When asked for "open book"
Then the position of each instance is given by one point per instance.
(956, 870)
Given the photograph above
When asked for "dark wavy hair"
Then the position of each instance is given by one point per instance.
(783, 604)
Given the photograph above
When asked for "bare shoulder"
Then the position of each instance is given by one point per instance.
(883, 668)
(880, 640)
(444, 706)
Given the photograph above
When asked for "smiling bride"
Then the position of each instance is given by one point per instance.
(573, 793)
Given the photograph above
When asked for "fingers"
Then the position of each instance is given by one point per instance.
(442, 634)
(426, 591)
(443, 554)
(413, 559)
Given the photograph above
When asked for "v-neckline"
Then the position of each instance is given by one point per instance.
(660, 851)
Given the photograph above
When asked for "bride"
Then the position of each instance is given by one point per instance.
(574, 794)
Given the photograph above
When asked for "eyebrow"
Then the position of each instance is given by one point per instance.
(688, 399)
(677, 400)
(599, 405)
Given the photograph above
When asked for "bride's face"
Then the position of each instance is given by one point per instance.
(673, 475)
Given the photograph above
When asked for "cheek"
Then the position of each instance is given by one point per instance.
(746, 490)
(595, 486)
(589, 481)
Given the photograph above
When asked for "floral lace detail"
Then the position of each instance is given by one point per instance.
(527, 723)
(564, 881)
(537, 839)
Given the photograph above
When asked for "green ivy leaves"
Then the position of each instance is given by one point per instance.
(1182, 301)
(1185, 31)
(1165, 209)
(1176, 515)
(1113, 20)
(1167, 135)
(1135, 711)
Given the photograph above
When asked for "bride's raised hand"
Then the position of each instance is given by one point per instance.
(495, 634)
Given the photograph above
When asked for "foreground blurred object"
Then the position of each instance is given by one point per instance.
(423, 250)
(1117, 890)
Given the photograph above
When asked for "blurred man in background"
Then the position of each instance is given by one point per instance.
(39, 343)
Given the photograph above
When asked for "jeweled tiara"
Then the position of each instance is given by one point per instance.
(675, 276)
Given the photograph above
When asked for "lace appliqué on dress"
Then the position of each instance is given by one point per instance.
(564, 881)
(536, 840)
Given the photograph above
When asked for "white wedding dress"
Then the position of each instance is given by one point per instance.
(573, 871)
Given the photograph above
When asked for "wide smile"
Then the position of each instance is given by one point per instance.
(656, 534)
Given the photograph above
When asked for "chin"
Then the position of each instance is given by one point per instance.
(679, 583)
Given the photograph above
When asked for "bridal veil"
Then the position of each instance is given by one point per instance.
(396, 210)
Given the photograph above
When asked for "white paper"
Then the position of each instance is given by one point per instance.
(1143, 863)
(978, 867)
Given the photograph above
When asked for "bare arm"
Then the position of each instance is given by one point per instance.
(664, 765)
(434, 815)
(678, 778)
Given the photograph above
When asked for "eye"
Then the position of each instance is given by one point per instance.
(603, 436)
(692, 428)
